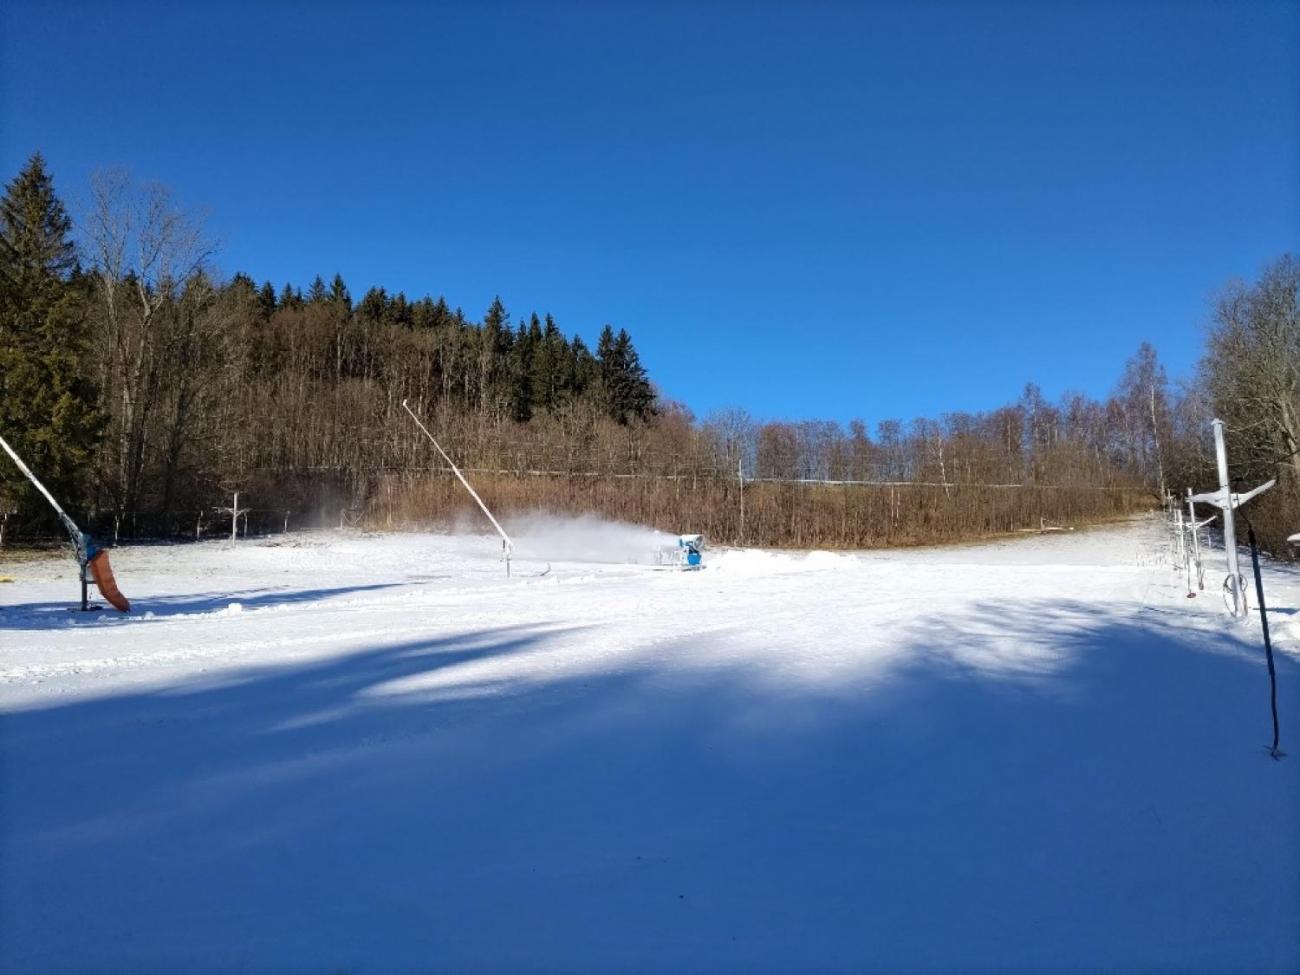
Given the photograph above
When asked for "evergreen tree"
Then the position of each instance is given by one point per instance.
(400, 312)
(625, 390)
(549, 355)
(290, 297)
(495, 341)
(424, 314)
(442, 314)
(582, 374)
(339, 292)
(374, 305)
(316, 293)
(48, 405)
(636, 397)
(266, 300)
(521, 372)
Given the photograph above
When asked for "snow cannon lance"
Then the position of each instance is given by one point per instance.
(507, 545)
(92, 561)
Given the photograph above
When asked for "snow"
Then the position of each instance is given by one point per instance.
(346, 752)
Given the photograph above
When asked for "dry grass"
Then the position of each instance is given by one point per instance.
(776, 515)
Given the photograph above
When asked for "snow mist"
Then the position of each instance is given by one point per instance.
(564, 538)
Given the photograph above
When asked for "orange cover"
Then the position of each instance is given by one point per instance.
(99, 568)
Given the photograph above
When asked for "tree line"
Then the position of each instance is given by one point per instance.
(145, 389)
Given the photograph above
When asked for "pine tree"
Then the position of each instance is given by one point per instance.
(316, 293)
(48, 404)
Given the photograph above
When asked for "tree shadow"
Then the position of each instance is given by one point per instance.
(1028, 788)
(56, 615)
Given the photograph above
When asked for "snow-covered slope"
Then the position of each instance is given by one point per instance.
(376, 753)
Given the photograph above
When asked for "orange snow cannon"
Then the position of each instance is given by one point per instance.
(89, 556)
(104, 581)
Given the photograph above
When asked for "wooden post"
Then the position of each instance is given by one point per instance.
(740, 479)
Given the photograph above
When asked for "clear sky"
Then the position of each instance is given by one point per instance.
(805, 209)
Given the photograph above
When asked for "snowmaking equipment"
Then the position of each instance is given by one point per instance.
(92, 561)
(685, 553)
(1234, 586)
(507, 546)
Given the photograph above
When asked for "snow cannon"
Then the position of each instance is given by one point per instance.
(92, 561)
(97, 565)
(684, 553)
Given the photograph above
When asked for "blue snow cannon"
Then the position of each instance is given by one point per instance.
(691, 544)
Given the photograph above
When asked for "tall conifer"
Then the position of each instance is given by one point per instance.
(48, 405)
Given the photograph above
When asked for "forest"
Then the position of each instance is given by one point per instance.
(145, 389)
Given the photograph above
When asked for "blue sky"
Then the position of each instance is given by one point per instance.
(808, 210)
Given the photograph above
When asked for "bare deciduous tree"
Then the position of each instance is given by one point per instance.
(142, 249)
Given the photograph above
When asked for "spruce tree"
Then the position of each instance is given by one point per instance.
(339, 292)
(290, 297)
(374, 305)
(266, 300)
(48, 404)
(636, 397)
(626, 392)
(583, 372)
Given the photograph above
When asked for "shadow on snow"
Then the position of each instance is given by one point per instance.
(51, 615)
(415, 806)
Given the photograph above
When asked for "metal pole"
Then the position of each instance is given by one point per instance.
(1196, 541)
(508, 544)
(78, 539)
(1275, 751)
(1229, 529)
(1180, 543)
(234, 518)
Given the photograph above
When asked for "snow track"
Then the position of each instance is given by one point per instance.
(376, 753)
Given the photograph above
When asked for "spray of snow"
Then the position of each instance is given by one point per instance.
(563, 538)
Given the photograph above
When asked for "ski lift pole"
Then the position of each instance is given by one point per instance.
(506, 544)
